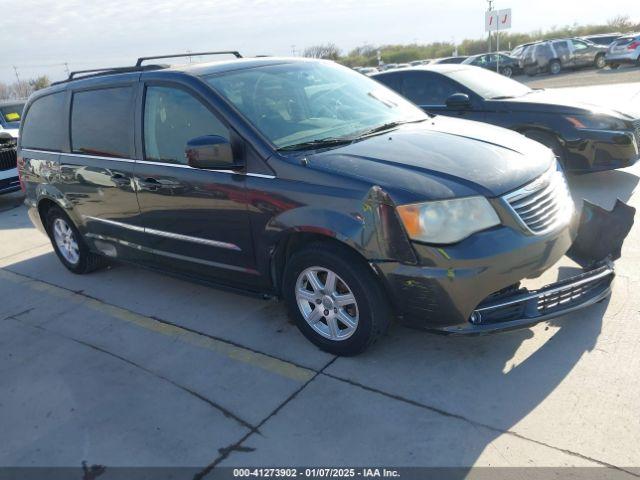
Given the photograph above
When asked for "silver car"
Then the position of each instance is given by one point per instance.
(626, 49)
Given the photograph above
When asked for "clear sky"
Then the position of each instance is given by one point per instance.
(39, 35)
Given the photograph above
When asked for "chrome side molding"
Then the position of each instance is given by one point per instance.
(161, 233)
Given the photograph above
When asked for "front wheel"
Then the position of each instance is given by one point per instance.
(335, 299)
(69, 245)
(600, 62)
(548, 140)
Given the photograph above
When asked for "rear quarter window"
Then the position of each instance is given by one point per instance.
(102, 122)
(45, 125)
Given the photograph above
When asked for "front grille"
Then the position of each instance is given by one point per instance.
(564, 297)
(551, 300)
(8, 158)
(544, 204)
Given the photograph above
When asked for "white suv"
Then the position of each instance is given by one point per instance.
(10, 115)
(624, 50)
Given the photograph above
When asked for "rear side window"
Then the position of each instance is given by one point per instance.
(391, 80)
(427, 89)
(45, 126)
(102, 122)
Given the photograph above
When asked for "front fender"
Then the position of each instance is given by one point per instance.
(372, 229)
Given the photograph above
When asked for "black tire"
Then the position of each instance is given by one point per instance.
(555, 67)
(548, 140)
(531, 71)
(372, 304)
(88, 261)
(507, 72)
(599, 62)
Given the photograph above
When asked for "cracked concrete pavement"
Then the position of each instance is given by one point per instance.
(127, 367)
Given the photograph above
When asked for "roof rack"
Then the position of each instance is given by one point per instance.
(138, 67)
(193, 54)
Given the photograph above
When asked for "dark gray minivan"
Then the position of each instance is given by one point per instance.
(304, 180)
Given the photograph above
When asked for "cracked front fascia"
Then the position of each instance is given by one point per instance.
(392, 241)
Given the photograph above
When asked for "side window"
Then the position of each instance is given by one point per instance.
(102, 122)
(424, 88)
(578, 45)
(172, 117)
(562, 49)
(391, 80)
(45, 126)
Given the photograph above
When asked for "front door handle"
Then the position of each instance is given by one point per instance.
(120, 180)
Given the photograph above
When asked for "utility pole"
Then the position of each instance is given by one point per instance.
(15, 69)
(293, 50)
(66, 68)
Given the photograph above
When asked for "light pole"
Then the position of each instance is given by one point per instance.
(490, 9)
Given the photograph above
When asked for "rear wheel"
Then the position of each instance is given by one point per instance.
(335, 299)
(599, 62)
(555, 67)
(69, 245)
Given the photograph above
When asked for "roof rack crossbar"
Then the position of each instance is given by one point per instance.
(193, 54)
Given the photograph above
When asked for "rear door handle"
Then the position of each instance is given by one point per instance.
(149, 184)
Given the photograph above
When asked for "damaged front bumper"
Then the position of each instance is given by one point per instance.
(522, 307)
(483, 294)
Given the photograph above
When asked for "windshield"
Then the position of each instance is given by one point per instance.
(517, 52)
(11, 113)
(489, 85)
(296, 103)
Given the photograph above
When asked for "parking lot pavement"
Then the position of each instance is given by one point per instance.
(129, 367)
(583, 77)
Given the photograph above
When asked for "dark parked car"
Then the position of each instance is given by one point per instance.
(605, 39)
(626, 49)
(10, 112)
(582, 140)
(447, 60)
(555, 55)
(506, 65)
(306, 180)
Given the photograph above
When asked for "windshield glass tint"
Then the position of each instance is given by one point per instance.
(311, 101)
(11, 113)
(488, 84)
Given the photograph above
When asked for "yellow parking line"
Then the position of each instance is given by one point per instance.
(259, 360)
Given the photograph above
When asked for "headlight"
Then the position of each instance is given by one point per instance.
(596, 122)
(447, 221)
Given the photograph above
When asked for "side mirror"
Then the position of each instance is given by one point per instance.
(458, 100)
(210, 152)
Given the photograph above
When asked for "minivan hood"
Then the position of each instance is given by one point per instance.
(564, 102)
(441, 158)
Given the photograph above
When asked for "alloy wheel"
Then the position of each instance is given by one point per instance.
(327, 303)
(66, 241)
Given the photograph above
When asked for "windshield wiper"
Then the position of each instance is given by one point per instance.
(386, 126)
(322, 142)
(501, 97)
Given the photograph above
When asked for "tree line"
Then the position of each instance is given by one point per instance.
(23, 88)
(367, 55)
